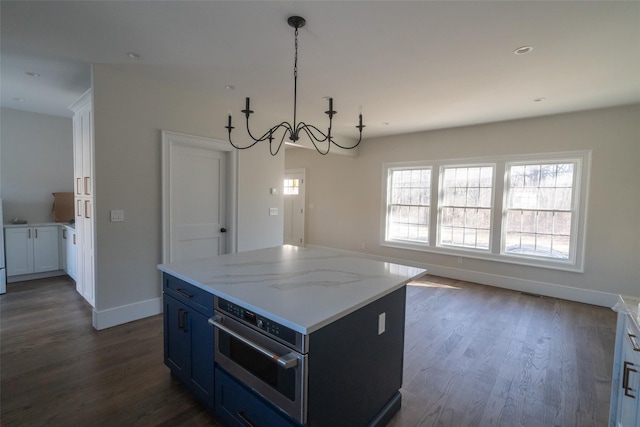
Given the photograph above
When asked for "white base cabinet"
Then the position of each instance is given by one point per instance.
(625, 395)
(68, 251)
(31, 250)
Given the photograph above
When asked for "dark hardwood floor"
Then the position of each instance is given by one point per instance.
(474, 356)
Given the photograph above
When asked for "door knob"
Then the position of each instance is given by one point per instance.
(223, 230)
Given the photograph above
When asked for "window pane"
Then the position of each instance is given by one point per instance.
(539, 210)
(408, 206)
(466, 206)
(563, 199)
(529, 221)
(483, 239)
(514, 221)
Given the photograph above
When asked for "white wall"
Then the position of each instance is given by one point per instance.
(36, 157)
(344, 197)
(130, 110)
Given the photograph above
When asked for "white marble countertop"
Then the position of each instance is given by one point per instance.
(302, 288)
(630, 306)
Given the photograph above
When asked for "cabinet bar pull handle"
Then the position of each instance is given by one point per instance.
(86, 186)
(185, 319)
(74, 239)
(79, 207)
(86, 209)
(180, 318)
(29, 231)
(36, 230)
(183, 293)
(625, 379)
(245, 420)
(64, 233)
(78, 191)
(634, 342)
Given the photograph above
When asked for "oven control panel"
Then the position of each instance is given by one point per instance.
(266, 325)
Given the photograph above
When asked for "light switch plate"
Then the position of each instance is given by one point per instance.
(117, 216)
(273, 211)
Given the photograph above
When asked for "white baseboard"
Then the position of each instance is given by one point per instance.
(127, 313)
(586, 296)
(34, 276)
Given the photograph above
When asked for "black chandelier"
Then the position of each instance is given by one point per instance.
(293, 130)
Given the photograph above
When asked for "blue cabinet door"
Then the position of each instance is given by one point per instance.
(176, 341)
(188, 348)
(200, 374)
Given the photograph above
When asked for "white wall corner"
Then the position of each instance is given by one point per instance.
(126, 313)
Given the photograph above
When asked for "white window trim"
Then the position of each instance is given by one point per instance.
(574, 264)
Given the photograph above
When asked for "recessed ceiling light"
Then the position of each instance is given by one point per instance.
(539, 99)
(134, 55)
(523, 50)
(32, 74)
(230, 87)
(386, 123)
(18, 99)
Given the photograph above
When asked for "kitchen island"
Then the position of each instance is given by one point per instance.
(302, 336)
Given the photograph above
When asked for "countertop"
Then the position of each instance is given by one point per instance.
(302, 288)
(39, 224)
(630, 306)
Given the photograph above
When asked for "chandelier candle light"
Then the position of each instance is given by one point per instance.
(293, 130)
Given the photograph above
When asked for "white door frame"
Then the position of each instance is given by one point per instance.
(170, 139)
(303, 197)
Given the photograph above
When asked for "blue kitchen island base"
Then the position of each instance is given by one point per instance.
(237, 406)
(300, 337)
(390, 409)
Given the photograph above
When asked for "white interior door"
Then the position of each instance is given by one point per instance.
(294, 195)
(196, 175)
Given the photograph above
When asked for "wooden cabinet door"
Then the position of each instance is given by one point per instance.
(628, 414)
(71, 254)
(176, 340)
(19, 250)
(201, 361)
(45, 249)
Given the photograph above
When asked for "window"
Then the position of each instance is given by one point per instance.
(465, 206)
(291, 186)
(527, 209)
(408, 204)
(539, 209)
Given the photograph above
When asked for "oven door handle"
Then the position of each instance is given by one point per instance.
(287, 361)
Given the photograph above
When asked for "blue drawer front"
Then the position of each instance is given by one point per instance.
(191, 295)
(237, 406)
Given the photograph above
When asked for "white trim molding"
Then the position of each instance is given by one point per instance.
(554, 290)
(169, 139)
(126, 313)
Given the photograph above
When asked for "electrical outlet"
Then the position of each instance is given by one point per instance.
(382, 323)
(273, 211)
(117, 216)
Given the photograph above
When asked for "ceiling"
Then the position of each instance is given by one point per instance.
(411, 65)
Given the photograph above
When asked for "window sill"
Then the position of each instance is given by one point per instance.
(480, 255)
